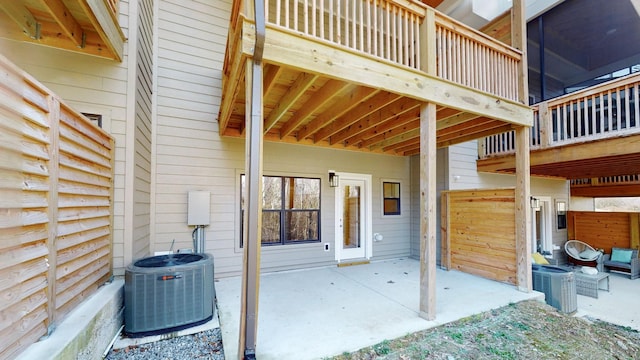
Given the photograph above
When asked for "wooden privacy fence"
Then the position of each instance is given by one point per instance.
(604, 230)
(479, 232)
(56, 191)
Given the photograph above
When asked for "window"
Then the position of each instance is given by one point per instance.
(95, 118)
(290, 210)
(561, 214)
(391, 198)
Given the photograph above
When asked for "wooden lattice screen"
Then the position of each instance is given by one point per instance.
(56, 192)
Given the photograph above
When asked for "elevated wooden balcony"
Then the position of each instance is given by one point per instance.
(353, 74)
(86, 26)
(591, 134)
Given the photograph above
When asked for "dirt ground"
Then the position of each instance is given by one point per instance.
(526, 330)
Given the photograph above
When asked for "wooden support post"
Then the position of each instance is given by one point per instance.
(252, 214)
(428, 49)
(523, 210)
(546, 129)
(523, 136)
(634, 223)
(428, 226)
(519, 41)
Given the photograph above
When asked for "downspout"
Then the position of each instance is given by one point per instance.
(254, 154)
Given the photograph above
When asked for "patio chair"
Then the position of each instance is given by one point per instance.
(583, 252)
(623, 260)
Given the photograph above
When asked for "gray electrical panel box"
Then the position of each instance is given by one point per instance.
(199, 208)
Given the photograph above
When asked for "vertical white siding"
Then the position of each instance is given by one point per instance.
(143, 119)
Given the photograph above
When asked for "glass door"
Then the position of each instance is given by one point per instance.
(350, 219)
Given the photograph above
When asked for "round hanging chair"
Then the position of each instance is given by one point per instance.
(581, 251)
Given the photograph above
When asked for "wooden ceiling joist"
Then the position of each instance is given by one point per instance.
(387, 137)
(302, 83)
(360, 94)
(66, 21)
(380, 131)
(330, 90)
(86, 26)
(362, 110)
(22, 17)
(383, 115)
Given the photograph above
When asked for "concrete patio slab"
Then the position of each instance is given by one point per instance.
(315, 313)
(618, 306)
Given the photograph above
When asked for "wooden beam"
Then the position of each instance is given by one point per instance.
(394, 110)
(567, 153)
(105, 22)
(63, 17)
(613, 190)
(634, 231)
(360, 94)
(295, 92)
(455, 120)
(428, 200)
(408, 131)
(380, 100)
(523, 209)
(329, 91)
(21, 15)
(285, 48)
(385, 130)
(403, 146)
(271, 74)
(519, 41)
(234, 72)
(488, 132)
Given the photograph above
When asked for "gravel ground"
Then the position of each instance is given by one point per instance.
(203, 345)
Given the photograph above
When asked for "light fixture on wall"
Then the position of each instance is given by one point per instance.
(535, 202)
(334, 180)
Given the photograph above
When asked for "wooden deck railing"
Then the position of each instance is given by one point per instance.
(56, 202)
(396, 31)
(113, 5)
(386, 29)
(473, 59)
(607, 180)
(608, 110)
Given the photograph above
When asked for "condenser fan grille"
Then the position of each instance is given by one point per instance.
(167, 293)
(168, 260)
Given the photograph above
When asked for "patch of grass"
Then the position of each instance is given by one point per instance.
(383, 348)
(521, 326)
(502, 354)
(455, 335)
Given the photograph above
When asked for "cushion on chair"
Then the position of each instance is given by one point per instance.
(623, 256)
(539, 259)
(589, 270)
(573, 252)
(590, 254)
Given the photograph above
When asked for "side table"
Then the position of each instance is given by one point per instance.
(589, 285)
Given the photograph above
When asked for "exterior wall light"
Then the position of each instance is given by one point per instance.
(535, 203)
(334, 180)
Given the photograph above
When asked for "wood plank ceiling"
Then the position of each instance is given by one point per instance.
(86, 26)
